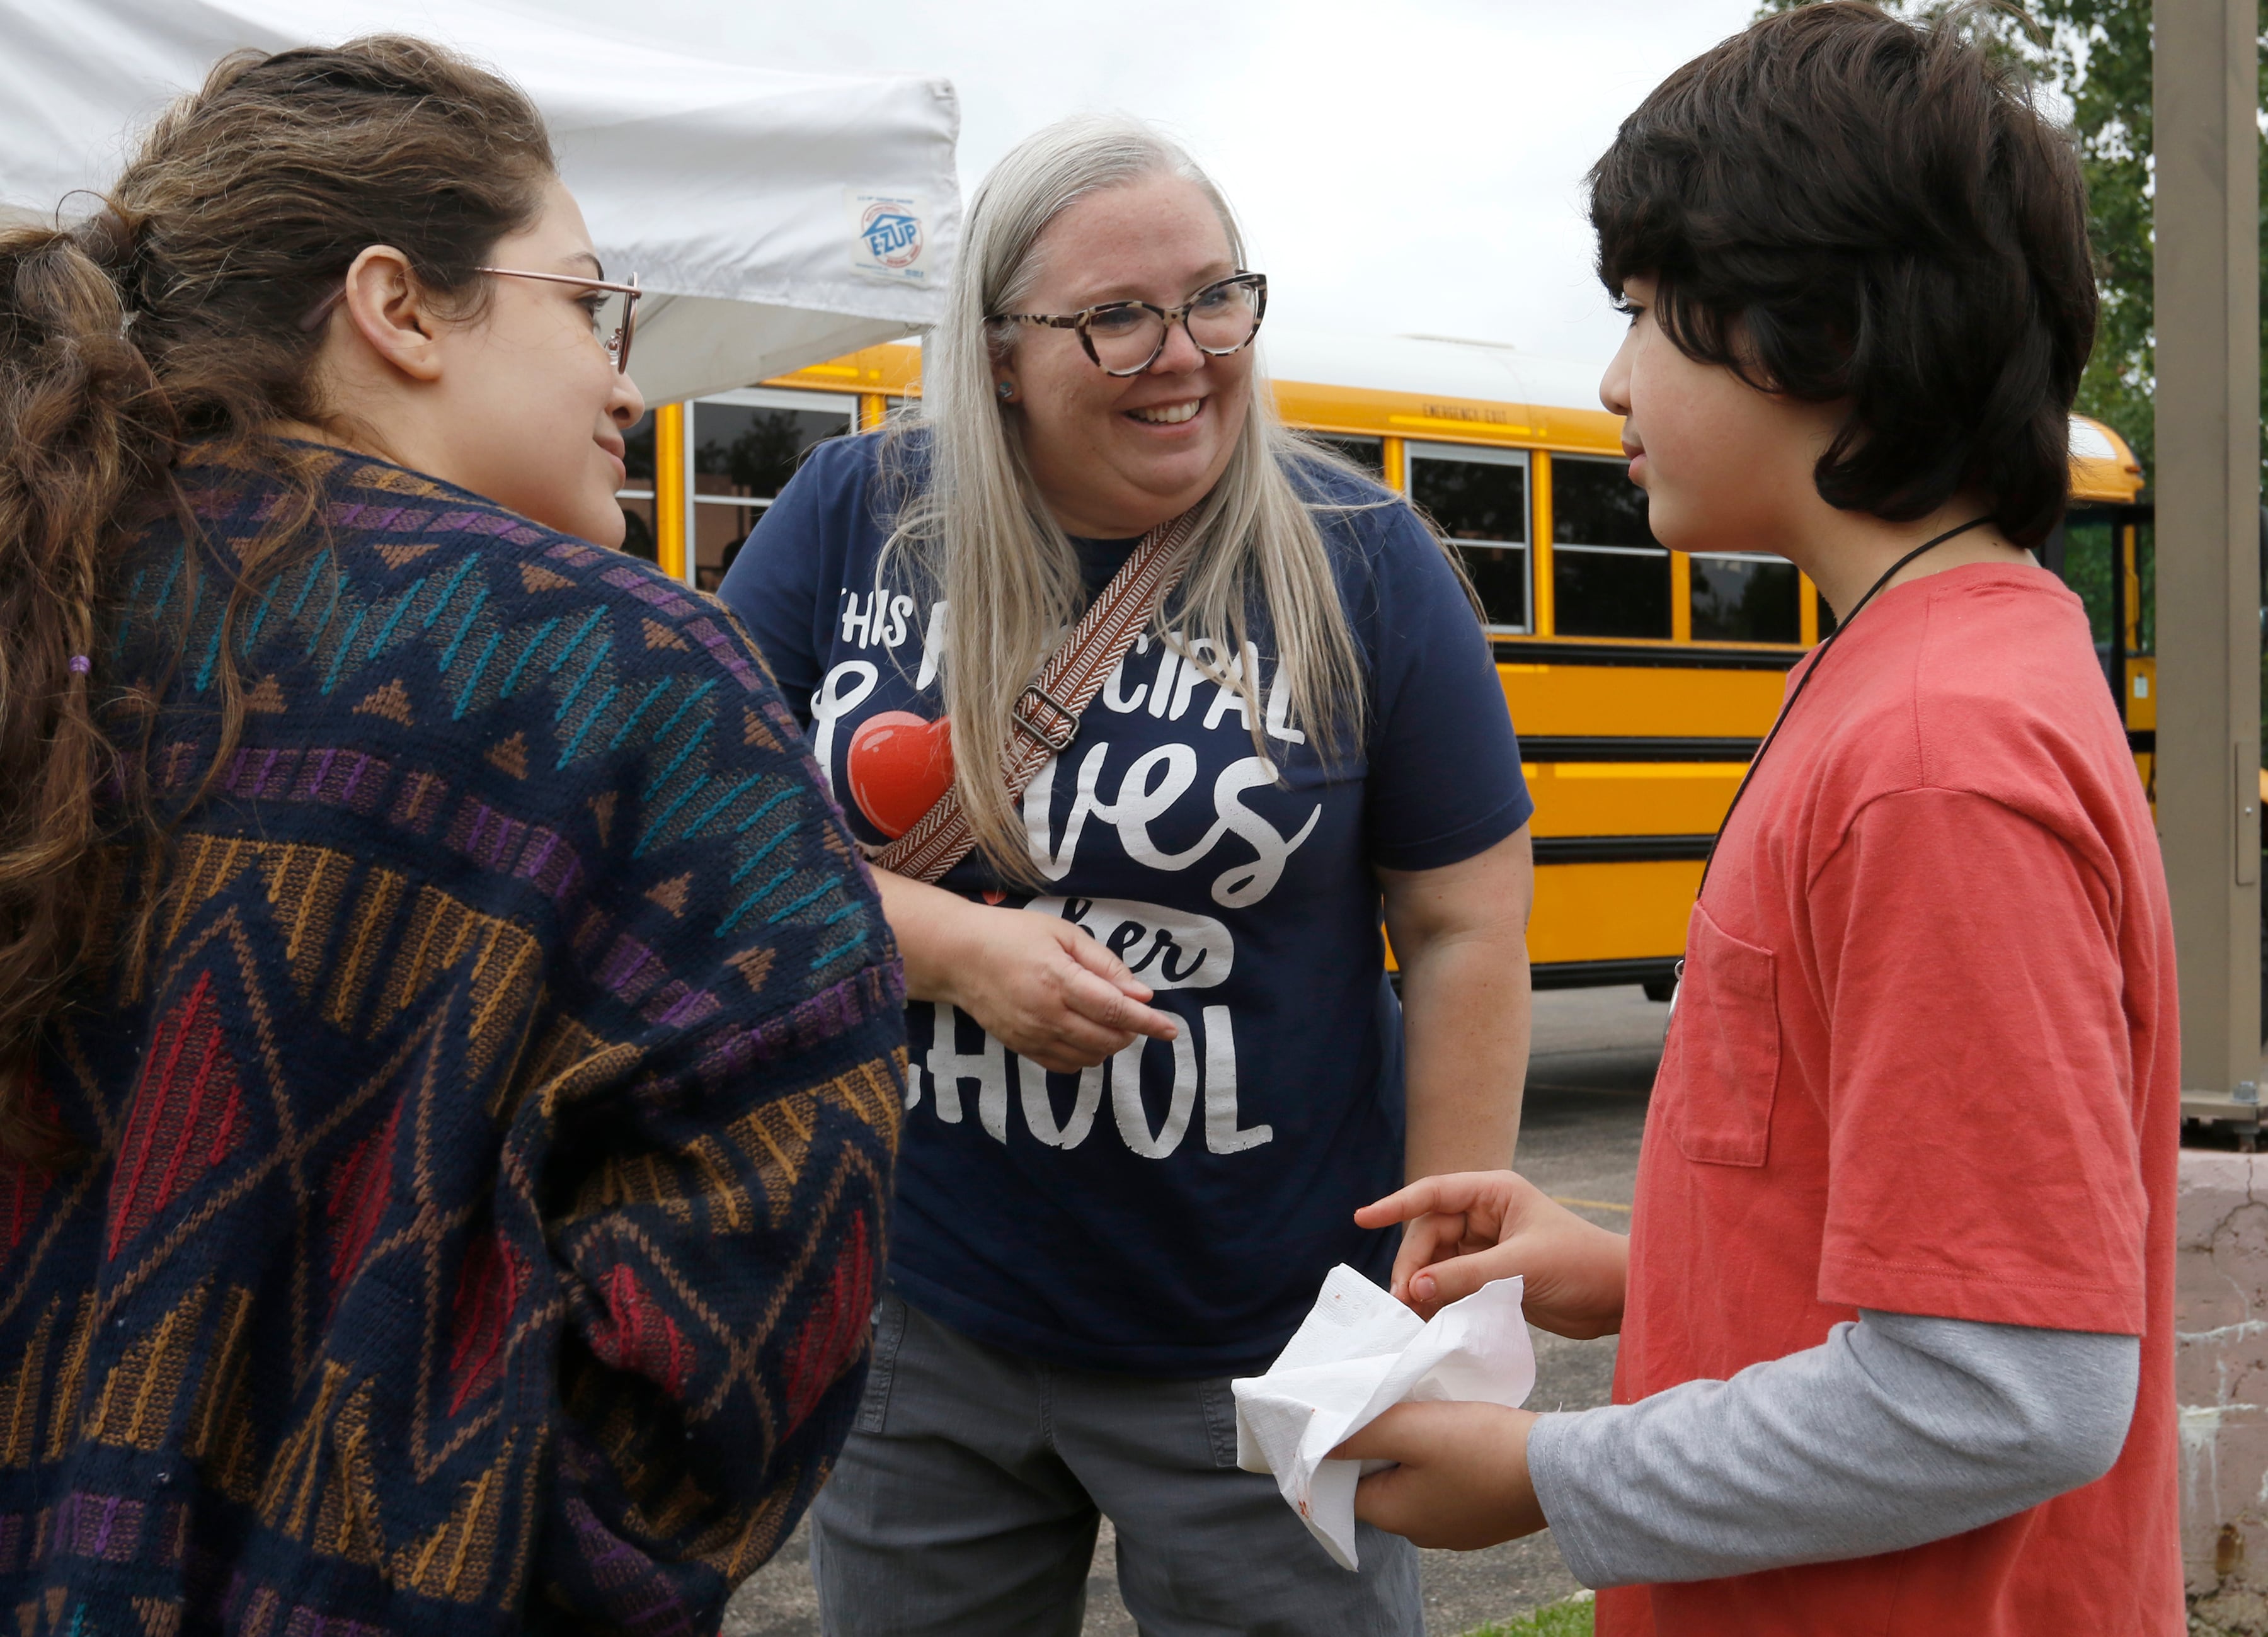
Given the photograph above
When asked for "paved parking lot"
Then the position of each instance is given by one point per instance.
(1593, 1061)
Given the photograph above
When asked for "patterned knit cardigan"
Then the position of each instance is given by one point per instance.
(489, 1161)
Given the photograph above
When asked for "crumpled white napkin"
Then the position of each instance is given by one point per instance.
(1358, 1353)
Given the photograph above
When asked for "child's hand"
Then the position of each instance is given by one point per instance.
(1475, 1226)
(1463, 1482)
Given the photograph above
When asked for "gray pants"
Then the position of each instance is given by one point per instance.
(966, 1504)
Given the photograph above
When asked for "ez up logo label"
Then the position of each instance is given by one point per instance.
(888, 236)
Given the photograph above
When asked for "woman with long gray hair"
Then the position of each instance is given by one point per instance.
(1157, 1062)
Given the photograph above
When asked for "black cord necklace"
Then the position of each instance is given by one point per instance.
(1817, 660)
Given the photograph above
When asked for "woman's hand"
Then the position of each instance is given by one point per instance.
(1475, 1226)
(1048, 992)
(1041, 986)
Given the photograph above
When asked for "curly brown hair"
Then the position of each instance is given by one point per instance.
(165, 333)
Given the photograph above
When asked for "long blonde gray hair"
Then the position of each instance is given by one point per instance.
(976, 527)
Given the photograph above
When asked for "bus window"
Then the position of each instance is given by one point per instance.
(635, 495)
(1746, 597)
(1367, 454)
(2089, 557)
(1477, 498)
(745, 446)
(1609, 578)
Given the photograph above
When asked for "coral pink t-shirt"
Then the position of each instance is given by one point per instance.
(1925, 1060)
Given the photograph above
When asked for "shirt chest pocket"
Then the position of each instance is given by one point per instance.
(1720, 1065)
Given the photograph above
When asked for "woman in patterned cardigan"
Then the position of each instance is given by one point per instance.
(449, 1055)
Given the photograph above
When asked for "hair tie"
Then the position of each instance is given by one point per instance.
(80, 665)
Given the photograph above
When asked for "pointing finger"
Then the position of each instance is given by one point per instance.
(1418, 1198)
(1091, 998)
(1089, 953)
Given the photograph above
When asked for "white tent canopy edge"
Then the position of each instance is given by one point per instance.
(736, 194)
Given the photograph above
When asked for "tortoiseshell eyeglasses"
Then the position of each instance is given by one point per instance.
(1125, 337)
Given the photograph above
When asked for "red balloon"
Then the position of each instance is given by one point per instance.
(897, 767)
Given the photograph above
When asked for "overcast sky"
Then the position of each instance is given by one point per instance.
(1400, 166)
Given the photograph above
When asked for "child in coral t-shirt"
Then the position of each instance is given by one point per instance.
(1897, 1306)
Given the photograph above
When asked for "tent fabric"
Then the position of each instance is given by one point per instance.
(780, 218)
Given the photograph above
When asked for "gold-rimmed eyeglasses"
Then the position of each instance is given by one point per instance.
(1125, 337)
(616, 302)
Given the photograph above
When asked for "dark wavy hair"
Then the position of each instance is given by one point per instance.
(167, 331)
(1838, 205)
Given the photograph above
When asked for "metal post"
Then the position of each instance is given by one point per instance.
(2122, 545)
(2207, 490)
(670, 493)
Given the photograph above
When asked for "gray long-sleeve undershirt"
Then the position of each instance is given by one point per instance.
(1896, 1430)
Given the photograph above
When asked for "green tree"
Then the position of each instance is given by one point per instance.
(2097, 56)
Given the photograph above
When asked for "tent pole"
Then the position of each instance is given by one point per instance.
(2208, 494)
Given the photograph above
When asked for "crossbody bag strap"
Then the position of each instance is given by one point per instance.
(1046, 716)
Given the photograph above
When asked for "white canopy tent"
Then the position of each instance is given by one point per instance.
(780, 218)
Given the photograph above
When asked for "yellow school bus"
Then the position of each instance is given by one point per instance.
(1641, 681)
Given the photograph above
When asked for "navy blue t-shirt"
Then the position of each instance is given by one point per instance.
(1171, 1212)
